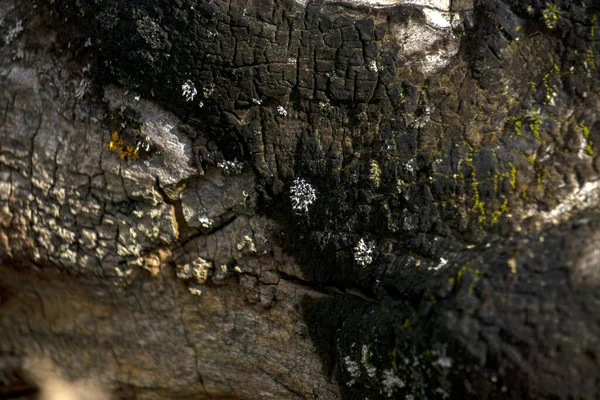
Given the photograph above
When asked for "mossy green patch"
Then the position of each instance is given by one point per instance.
(550, 15)
(479, 205)
(589, 148)
(497, 214)
(518, 125)
(551, 89)
(513, 176)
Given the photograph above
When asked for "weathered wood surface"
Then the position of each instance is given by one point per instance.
(152, 238)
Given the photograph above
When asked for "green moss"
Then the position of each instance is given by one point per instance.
(585, 129)
(590, 149)
(513, 176)
(479, 205)
(541, 172)
(535, 129)
(536, 121)
(497, 214)
(550, 90)
(557, 118)
(409, 323)
(590, 62)
(550, 15)
(586, 134)
(463, 269)
(393, 354)
(518, 125)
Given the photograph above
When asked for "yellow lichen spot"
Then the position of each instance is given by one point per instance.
(129, 152)
(116, 143)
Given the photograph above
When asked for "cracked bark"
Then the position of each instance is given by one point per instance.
(458, 137)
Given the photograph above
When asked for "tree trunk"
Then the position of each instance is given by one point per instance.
(279, 199)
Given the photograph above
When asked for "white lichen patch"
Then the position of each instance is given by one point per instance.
(82, 88)
(229, 168)
(442, 263)
(391, 382)
(13, 32)
(353, 369)
(282, 111)
(302, 195)
(366, 357)
(363, 252)
(444, 362)
(423, 119)
(372, 66)
(206, 222)
(188, 90)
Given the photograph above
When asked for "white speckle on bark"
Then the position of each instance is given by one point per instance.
(188, 90)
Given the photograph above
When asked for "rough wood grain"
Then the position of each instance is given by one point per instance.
(278, 199)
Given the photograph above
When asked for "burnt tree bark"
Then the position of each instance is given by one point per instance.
(159, 233)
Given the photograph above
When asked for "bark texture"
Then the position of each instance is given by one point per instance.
(321, 200)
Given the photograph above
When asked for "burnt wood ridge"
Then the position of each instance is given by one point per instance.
(235, 199)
